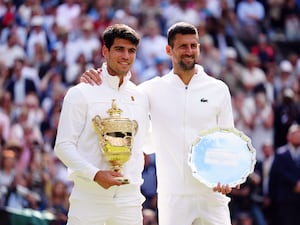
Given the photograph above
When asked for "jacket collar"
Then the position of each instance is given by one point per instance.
(113, 81)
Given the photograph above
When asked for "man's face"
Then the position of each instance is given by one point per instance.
(185, 51)
(120, 56)
(295, 138)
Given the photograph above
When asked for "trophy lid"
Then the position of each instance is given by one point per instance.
(114, 111)
(115, 123)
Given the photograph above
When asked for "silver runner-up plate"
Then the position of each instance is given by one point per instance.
(224, 156)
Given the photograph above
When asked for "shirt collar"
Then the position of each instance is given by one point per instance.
(294, 152)
(113, 81)
(198, 75)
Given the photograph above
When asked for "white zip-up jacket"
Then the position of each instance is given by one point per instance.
(179, 113)
(77, 144)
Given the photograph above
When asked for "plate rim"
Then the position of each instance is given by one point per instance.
(238, 133)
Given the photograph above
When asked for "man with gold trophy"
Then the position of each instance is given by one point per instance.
(100, 137)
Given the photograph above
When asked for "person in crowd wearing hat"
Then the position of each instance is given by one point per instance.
(37, 35)
(284, 186)
(284, 79)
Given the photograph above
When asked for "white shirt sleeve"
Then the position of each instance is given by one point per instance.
(71, 123)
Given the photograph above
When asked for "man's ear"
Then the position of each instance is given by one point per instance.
(169, 50)
(104, 51)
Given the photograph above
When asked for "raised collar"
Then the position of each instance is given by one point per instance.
(113, 81)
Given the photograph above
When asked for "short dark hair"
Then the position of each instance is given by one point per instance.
(180, 28)
(120, 31)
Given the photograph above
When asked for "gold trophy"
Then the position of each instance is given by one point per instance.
(115, 134)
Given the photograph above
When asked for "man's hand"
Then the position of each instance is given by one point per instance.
(224, 189)
(107, 178)
(91, 76)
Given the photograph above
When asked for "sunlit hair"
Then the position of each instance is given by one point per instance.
(180, 28)
(120, 31)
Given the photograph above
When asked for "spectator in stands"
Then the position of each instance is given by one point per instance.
(58, 202)
(9, 23)
(74, 70)
(222, 40)
(152, 44)
(67, 14)
(250, 14)
(151, 10)
(252, 75)
(294, 59)
(5, 123)
(284, 79)
(37, 35)
(37, 174)
(274, 18)
(52, 88)
(262, 121)
(242, 114)
(291, 20)
(4, 71)
(19, 85)
(35, 113)
(20, 197)
(231, 71)
(241, 201)
(11, 50)
(124, 15)
(210, 57)
(87, 41)
(263, 50)
(286, 112)
(269, 84)
(285, 180)
(7, 172)
(264, 168)
(25, 11)
(160, 68)
(180, 10)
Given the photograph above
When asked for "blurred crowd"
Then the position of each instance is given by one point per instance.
(45, 45)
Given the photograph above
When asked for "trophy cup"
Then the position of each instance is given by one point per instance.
(115, 134)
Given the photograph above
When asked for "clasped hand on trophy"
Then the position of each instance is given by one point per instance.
(108, 178)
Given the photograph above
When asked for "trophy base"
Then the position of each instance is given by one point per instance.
(122, 180)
